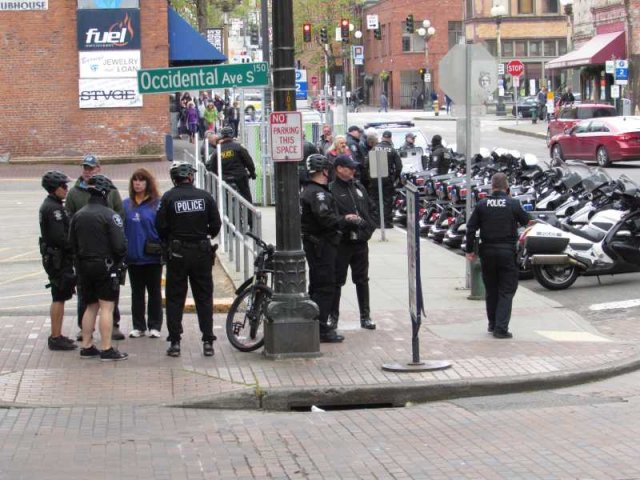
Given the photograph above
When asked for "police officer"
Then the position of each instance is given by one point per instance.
(358, 149)
(440, 159)
(57, 257)
(187, 220)
(353, 250)
(389, 182)
(237, 164)
(321, 225)
(497, 217)
(97, 238)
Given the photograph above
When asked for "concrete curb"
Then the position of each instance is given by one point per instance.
(397, 395)
(517, 131)
(75, 160)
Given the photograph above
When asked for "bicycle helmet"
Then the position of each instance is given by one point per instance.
(181, 170)
(100, 184)
(226, 132)
(53, 179)
(317, 162)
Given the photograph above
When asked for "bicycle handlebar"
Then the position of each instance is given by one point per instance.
(260, 242)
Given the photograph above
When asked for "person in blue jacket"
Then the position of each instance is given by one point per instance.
(144, 253)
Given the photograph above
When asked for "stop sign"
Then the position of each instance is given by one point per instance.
(515, 68)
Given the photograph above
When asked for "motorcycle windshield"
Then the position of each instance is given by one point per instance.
(575, 173)
(627, 185)
(598, 178)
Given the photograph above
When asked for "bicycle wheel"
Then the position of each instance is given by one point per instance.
(245, 320)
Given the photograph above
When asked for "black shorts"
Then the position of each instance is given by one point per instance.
(63, 285)
(95, 282)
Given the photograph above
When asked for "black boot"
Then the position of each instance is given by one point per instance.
(334, 314)
(362, 290)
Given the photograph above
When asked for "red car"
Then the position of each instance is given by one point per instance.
(569, 115)
(604, 140)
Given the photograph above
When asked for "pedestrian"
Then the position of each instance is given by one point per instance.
(384, 103)
(339, 147)
(308, 148)
(542, 103)
(77, 198)
(414, 97)
(440, 158)
(320, 226)
(357, 149)
(353, 250)
(213, 139)
(187, 220)
(232, 117)
(96, 235)
(326, 139)
(237, 164)
(497, 217)
(394, 164)
(57, 256)
(210, 117)
(568, 98)
(193, 119)
(183, 125)
(144, 254)
(448, 103)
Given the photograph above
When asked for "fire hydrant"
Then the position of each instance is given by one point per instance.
(436, 107)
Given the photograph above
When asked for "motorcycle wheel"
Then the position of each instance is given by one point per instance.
(555, 277)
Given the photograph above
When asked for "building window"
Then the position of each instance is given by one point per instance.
(455, 33)
(507, 48)
(562, 46)
(412, 43)
(521, 48)
(469, 8)
(491, 46)
(549, 48)
(525, 7)
(534, 48)
(98, 4)
(550, 6)
(406, 43)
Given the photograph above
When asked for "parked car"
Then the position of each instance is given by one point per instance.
(604, 140)
(526, 105)
(570, 115)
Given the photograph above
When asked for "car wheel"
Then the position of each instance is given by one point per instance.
(556, 152)
(602, 157)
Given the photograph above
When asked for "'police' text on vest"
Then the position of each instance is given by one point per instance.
(187, 206)
(496, 202)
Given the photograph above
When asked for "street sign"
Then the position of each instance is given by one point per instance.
(372, 22)
(162, 80)
(515, 68)
(314, 80)
(501, 69)
(516, 81)
(609, 67)
(483, 74)
(622, 72)
(615, 91)
(286, 136)
(301, 85)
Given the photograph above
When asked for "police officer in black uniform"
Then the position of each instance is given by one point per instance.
(388, 183)
(57, 258)
(321, 229)
(97, 238)
(237, 164)
(353, 251)
(187, 220)
(358, 150)
(440, 158)
(497, 217)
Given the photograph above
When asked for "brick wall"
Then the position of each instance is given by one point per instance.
(39, 87)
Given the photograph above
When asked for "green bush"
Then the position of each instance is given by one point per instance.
(150, 149)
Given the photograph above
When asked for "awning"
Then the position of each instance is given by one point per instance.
(595, 52)
(187, 46)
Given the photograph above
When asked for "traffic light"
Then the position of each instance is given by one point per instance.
(409, 24)
(324, 37)
(377, 34)
(422, 71)
(344, 30)
(254, 36)
(306, 32)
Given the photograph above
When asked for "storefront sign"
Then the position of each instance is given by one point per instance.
(22, 6)
(109, 64)
(214, 37)
(108, 4)
(109, 29)
(109, 93)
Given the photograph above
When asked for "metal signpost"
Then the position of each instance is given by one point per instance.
(515, 68)
(416, 302)
(379, 168)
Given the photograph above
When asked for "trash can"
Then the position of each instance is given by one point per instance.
(477, 285)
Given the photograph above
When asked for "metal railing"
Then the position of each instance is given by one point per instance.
(238, 216)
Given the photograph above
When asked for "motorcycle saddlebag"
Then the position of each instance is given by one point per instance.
(538, 245)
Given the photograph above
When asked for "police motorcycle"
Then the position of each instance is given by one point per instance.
(414, 163)
(609, 244)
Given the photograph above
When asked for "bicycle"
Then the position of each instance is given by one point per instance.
(245, 320)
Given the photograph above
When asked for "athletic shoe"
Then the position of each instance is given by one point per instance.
(61, 343)
(135, 333)
(91, 352)
(116, 334)
(153, 333)
(174, 349)
(112, 355)
(207, 349)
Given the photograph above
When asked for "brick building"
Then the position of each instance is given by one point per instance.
(401, 55)
(53, 104)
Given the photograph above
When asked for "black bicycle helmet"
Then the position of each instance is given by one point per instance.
(181, 170)
(53, 179)
(317, 162)
(226, 132)
(100, 184)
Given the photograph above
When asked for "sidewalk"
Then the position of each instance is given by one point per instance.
(551, 347)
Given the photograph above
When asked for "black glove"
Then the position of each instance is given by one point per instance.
(252, 176)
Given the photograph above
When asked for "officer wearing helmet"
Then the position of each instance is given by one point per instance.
(440, 158)
(76, 199)
(57, 257)
(237, 164)
(321, 227)
(97, 238)
(187, 220)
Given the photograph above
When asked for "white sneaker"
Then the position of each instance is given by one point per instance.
(153, 333)
(136, 333)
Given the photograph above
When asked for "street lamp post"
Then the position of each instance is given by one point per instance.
(427, 31)
(497, 12)
(568, 11)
